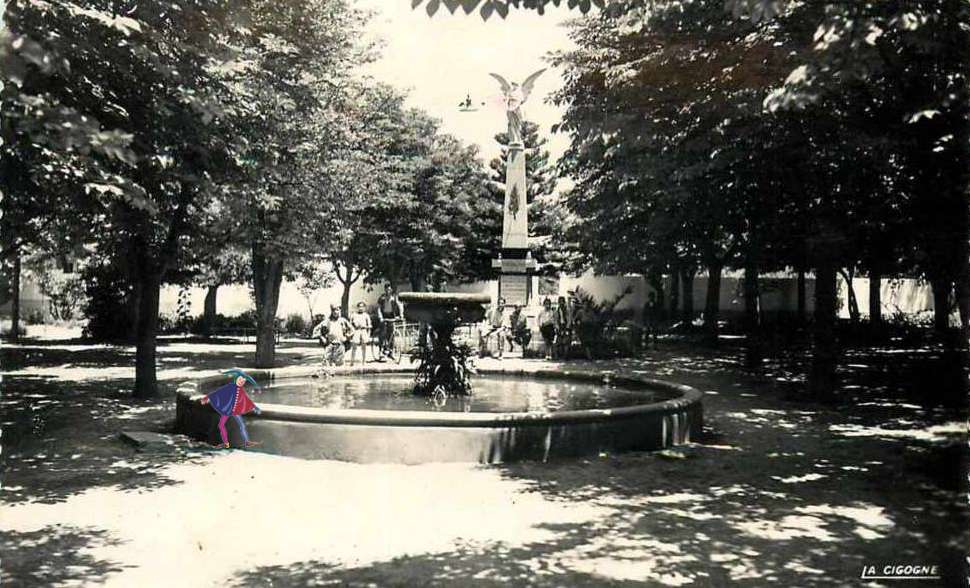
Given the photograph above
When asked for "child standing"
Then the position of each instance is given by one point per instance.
(361, 323)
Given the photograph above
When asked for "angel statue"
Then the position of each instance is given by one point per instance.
(515, 97)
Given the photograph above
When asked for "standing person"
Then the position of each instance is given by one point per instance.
(547, 328)
(564, 327)
(361, 323)
(337, 336)
(584, 322)
(388, 312)
(651, 320)
(231, 400)
(318, 328)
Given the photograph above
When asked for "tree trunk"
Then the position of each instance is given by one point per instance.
(209, 310)
(15, 298)
(823, 379)
(134, 309)
(267, 278)
(146, 332)
(418, 282)
(347, 280)
(853, 300)
(802, 296)
(875, 297)
(687, 308)
(712, 304)
(942, 289)
(674, 294)
(752, 317)
(963, 303)
(656, 282)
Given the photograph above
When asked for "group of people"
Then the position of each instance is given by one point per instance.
(339, 334)
(556, 326)
(560, 324)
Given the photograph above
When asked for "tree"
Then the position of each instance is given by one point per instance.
(146, 77)
(664, 112)
(289, 90)
(430, 213)
(49, 150)
(905, 90)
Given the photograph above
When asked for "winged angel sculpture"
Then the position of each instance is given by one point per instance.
(515, 96)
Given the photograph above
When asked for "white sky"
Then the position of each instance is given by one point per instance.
(440, 59)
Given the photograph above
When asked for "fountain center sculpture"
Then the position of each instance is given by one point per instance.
(444, 364)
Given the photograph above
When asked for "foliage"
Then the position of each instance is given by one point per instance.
(595, 321)
(107, 309)
(444, 368)
(295, 324)
(428, 216)
(64, 290)
(754, 10)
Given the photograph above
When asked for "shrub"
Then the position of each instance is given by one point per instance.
(34, 317)
(106, 308)
(295, 324)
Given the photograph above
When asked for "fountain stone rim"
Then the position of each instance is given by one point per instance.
(192, 390)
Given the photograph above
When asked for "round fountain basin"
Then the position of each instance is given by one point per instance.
(370, 417)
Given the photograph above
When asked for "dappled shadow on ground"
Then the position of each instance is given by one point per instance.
(176, 358)
(791, 494)
(787, 494)
(63, 406)
(467, 565)
(62, 439)
(54, 556)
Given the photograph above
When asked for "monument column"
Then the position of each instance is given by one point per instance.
(515, 264)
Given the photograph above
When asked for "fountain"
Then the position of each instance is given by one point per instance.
(538, 413)
(444, 367)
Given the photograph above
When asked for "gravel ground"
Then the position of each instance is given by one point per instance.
(782, 492)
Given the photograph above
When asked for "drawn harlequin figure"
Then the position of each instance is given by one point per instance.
(231, 400)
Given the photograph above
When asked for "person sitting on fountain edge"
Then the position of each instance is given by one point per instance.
(231, 400)
(496, 323)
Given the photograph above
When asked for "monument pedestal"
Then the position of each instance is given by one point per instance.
(515, 264)
(515, 277)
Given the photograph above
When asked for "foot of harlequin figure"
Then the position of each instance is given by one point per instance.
(221, 445)
(253, 443)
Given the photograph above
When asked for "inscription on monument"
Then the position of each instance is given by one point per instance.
(515, 266)
(514, 288)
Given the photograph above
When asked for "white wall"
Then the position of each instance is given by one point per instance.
(236, 299)
(904, 295)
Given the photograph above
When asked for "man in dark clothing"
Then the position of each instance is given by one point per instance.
(652, 318)
(389, 311)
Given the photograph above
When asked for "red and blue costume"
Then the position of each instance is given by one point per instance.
(231, 400)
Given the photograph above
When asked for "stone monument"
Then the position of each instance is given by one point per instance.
(515, 263)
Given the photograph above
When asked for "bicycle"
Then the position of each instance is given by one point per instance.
(392, 332)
